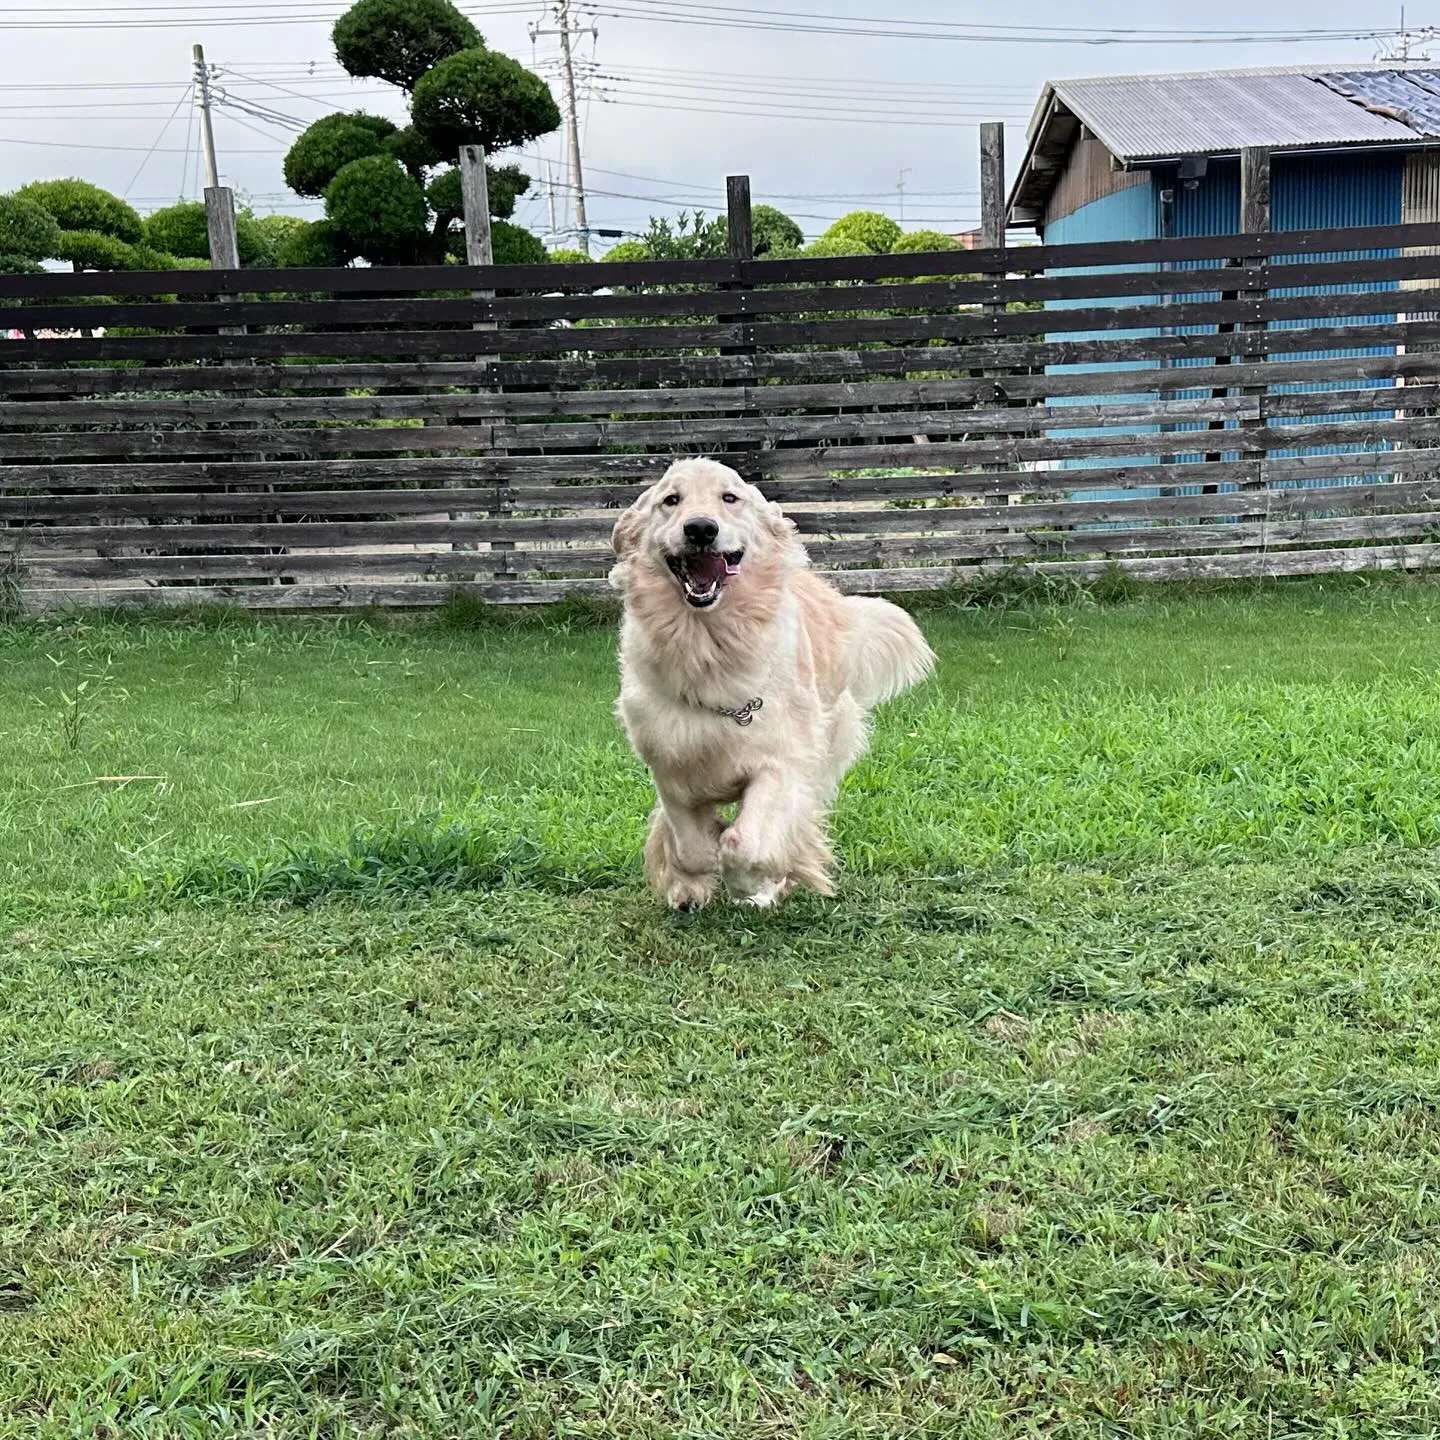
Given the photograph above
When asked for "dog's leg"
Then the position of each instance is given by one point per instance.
(682, 853)
(776, 842)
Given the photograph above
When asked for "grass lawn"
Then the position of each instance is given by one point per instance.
(352, 1085)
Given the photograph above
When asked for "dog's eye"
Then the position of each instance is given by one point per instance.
(671, 500)
(728, 498)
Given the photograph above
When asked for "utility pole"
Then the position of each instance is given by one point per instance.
(566, 32)
(1402, 51)
(550, 195)
(207, 130)
(900, 186)
(572, 122)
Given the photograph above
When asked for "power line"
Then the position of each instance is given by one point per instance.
(185, 95)
(117, 149)
(687, 12)
(667, 102)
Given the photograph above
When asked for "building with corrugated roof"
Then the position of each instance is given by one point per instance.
(1143, 157)
(1138, 157)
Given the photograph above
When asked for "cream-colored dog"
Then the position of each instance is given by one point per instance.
(744, 680)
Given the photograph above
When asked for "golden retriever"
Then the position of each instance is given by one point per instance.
(744, 680)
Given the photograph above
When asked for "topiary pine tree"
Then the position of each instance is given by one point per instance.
(868, 231)
(182, 230)
(28, 235)
(386, 199)
(774, 233)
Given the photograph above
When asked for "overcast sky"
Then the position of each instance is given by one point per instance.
(823, 122)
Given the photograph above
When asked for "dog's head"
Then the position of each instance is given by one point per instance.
(707, 529)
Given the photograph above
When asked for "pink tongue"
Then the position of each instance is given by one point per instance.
(704, 570)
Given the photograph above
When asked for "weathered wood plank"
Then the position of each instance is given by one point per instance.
(484, 307)
(1248, 565)
(826, 441)
(1280, 508)
(751, 399)
(740, 432)
(676, 370)
(892, 359)
(879, 551)
(851, 330)
(409, 280)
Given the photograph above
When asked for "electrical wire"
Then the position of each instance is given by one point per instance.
(185, 95)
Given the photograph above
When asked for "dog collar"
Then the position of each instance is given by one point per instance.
(743, 714)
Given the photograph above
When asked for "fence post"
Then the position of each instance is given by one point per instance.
(738, 223)
(992, 185)
(479, 250)
(1255, 220)
(221, 234)
(992, 237)
(740, 245)
(220, 227)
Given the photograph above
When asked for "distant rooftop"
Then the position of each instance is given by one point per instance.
(1145, 120)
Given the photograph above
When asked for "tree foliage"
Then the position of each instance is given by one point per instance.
(378, 208)
(94, 250)
(868, 230)
(329, 145)
(79, 205)
(414, 151)
(774, 233)
(924, 242)
(399, 40)
(480, 97)
(182, 230)
(28, 232)
(690, 236)
(319, 243)
(626, 251)
(514, 245)
(461, 93)
(823, 247)
(273, 233)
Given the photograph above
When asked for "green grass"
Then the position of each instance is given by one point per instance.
(352, 1085)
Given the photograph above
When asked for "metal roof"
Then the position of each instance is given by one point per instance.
(1145, 120)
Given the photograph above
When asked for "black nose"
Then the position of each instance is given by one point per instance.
(702, 531)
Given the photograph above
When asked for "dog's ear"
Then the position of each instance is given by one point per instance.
(779, 524)
(626, 534)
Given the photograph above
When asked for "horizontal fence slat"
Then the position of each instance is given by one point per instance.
(889, 357)
(675, 370)
(691, 434)
(851, 330)
(1278, 505)
(463, 308)
(1020, 259)
(1250, 565)
(755, 399)
(826, 554)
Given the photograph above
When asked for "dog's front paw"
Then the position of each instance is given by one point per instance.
(772, 892)
(689, 892)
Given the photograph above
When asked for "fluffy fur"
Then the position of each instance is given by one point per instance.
(696, 642)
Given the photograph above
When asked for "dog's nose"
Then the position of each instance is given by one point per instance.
(701, 531)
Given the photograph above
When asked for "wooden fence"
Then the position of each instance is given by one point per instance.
(1236, 405)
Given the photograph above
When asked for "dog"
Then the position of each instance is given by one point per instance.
(745, 680)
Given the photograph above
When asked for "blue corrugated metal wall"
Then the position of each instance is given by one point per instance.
(1126, 215)
(1307, 192)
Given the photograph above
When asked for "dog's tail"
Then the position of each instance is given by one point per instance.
(885, 651)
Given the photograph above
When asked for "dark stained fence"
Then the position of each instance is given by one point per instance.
(324, 438)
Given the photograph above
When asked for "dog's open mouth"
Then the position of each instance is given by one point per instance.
(703, 573)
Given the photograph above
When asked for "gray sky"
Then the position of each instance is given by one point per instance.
(822, 122)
